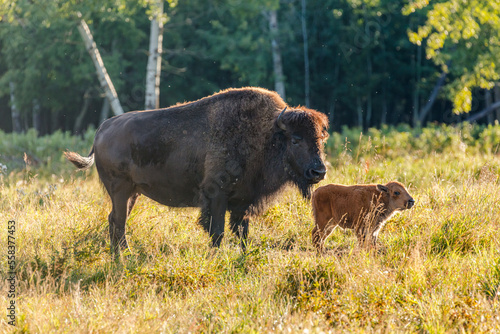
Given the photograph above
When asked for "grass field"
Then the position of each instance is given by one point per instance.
(437, 269)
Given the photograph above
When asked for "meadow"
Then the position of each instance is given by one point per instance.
(437, 269)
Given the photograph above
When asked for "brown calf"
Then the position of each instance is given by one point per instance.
(364, 208)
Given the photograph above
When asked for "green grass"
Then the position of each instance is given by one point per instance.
(437, 271)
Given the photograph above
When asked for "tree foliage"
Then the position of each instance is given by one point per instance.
(363, 68)
(463, 38)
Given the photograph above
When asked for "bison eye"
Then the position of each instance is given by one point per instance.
(296, 139)
(397, 193)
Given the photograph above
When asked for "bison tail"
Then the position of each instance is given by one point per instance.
(80, 162)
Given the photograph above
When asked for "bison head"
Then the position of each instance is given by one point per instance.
(398, 196)
(304, 134)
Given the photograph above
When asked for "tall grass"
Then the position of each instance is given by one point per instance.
(437, 269)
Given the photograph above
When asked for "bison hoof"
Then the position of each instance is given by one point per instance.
(217, 239)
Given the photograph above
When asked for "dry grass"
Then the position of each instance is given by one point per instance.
(438, 269)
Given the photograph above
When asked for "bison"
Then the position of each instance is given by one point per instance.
(231, 151)
(364, 208)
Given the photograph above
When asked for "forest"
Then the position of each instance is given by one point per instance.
(411, 89)
(364, 63)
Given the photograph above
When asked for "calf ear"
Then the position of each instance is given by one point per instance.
(382, 188)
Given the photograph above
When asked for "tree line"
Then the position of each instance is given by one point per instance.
(362, 62)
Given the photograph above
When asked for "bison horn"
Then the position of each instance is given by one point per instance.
(280, 121)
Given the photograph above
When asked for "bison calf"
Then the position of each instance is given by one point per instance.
(364, 208)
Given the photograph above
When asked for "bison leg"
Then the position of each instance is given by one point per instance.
(319, 235)
(239, 226)
(218, 212)
(212, 217)
(123, 199)
(375, 233)
(131, 203)
(317, 238)
(366, 238)
(324, 225)
(367, 234)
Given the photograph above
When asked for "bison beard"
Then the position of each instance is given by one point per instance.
(304, 187)
(232, 151)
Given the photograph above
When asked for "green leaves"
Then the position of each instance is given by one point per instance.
(366, 58)
(465, 34)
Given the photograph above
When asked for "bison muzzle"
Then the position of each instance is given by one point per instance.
(231, 151)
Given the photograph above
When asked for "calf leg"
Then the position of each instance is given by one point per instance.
(317, 238)
(366, 238)
(239, 225)
(362, 238)
(324, 224)
(375, 233)
(320, 233)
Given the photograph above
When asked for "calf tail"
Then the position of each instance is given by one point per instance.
(80, 162)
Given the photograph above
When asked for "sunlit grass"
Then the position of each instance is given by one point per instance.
(437, 269)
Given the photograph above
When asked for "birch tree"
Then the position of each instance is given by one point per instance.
(279, 81)
(153, 70)
(16, 116)
(102, 74)
(37, 117)
(306, 53)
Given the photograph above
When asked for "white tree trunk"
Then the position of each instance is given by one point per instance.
(37, 117)
(416, 94)
(16, 116)
(483, 112)
(489, 101)
(432, 98)
(279, 83)
(306, 54)
(153, 70)
(77, 129)
(359, 112)
(369, 103)
(496, 90)
(104, 111)
(102, 74)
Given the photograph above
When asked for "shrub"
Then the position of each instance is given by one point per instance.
(45, 154)
(490, 284)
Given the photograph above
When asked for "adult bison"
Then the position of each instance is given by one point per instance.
(231, 151)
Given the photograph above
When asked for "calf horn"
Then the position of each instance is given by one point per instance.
(280, 121)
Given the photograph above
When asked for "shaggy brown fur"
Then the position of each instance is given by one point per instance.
(231, 151)
(364, 208)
